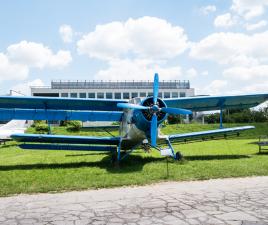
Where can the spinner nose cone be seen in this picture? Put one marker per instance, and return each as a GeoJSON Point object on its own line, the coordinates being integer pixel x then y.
{"type": "Point", "coordinates": [155, 108]}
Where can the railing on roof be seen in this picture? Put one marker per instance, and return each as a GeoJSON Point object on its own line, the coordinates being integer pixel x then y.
{"type": "Point", "coordinates": [165, 84]}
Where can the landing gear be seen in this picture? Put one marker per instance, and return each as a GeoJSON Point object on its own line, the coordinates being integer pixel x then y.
{"type": "Point", "coordinates": [114, 161]}
{"type": "Point", "coordinates": [145, 145]}
{"type": "Point", "coordinates": [179, 156]}
{"type": "Point", "coordinates": [114, 158]}
{"type": "Point", "coordinates": [118, 155]}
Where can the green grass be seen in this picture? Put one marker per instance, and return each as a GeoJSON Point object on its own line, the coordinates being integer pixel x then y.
{"type": "Point", "coordinates": [48, 171]}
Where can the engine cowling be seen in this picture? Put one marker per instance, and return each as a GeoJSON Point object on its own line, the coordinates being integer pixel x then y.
{"type": "Point", "coordinates": [148, 113]}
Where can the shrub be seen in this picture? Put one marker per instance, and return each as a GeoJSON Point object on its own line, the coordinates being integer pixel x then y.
{"type": "Point", "coordinates": [41, 128]}
{"type": "Point", "coordinates": [74, 125]}
{"type": "Point", "coordinates": [63, 123]}
{"type": "Point", "coordinates": [173, 119]}
{"type": "Point", "coordinates": [239, 116]}
{"type": "Point", "coordinates": [37, 122]}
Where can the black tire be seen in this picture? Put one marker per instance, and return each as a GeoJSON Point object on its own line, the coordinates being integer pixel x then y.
{"type": "Point", "coordinates": [113, 159]}
{"type": "Point", "coordinates": [179, 156]}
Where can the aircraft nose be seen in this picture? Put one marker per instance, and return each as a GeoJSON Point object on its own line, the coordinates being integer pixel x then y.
{"type": "Point", "coordinates": [155, 108]}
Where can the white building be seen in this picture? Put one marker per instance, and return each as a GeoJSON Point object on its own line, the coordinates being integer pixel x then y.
{"type": "Point", "coordinates": [113, 89]}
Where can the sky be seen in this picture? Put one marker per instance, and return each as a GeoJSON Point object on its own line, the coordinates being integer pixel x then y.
{"type": "Point", "coordinates": [220, 46]}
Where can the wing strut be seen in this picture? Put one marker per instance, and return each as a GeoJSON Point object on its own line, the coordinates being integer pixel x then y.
{"type": "Point", "coordinates": [119, 151]}
{"type": "Point", "coordinates": [221, 117]}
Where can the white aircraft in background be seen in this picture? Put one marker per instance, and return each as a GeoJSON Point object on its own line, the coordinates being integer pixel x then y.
{"type": "Point", "coordinates": [12, 127]}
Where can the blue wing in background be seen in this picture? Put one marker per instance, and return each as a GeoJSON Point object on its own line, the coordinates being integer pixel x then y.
{"type": "Point", "coordinates": [206, 103]}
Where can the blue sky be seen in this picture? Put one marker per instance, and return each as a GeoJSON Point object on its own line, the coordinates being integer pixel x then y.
{"type": "Point", "coordinates": [220, 46]}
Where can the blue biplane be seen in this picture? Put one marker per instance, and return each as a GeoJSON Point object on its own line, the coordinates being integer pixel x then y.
{"type": "Point", "coordinates": [139, 120]}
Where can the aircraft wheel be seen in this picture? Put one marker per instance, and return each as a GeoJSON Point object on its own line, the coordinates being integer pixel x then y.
{"type": "Point", "coordinates": [179, 156]}
{"type": "Point", "coordinates": [114, 159]}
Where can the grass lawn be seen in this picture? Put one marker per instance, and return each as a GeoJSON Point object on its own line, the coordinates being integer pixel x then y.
{"type": "Point", "coordinates": [47, 171]}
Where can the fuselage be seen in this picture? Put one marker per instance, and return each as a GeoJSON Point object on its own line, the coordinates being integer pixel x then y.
{"type": "Point", "coordinates": [135, 124]}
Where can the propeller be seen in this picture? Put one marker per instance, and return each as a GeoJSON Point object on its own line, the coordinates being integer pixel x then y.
{"type": "Point", "coordinates": [156, 86]}
{"type": "Point", "coordinates": [154, 109]}
{"type": "Point", "coordinates": [131, 106]}
{"type": "Point", "coordinates": [154, 130]}
{"type": "Point", "coordinates": [176, 111]}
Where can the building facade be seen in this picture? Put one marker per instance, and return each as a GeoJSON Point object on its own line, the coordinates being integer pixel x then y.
{"type": "Point", "coordinates": [113, 89]}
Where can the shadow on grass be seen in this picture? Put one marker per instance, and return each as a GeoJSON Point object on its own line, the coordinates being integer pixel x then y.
{"type": "Point", "coordinates": [264, 152]}
{"type": "Point", "coordinates": [8, 144]}
{"type": "Point", "coordinates": [131, 164]}
{"type": "Point", "coordinates": [214, 157]}
{"type": "Point", "coordinates": [86, 154]}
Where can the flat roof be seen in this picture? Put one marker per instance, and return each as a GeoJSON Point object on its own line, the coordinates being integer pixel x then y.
{"type": "Point", "coordinates": [127, 84]}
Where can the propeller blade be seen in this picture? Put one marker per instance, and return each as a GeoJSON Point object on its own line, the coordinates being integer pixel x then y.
{"type": "Point", "coordinates": [176, 111]}
{"type": "Point", "coordinates": [154, 130]}
{"type": "Point", "coordinates": [130, 106]}
{"type": "Point", "coordinates": [156, 86]}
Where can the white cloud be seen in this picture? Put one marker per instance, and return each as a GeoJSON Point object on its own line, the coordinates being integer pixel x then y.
{"type": "Point", "coordinates": [15, 64]}
{"type": "Point", "coordinates": [255, 26]}
{"type": "Point", "coordinates": [204, 73]}
{"type": "Point", "coordinates": [257, 73]}
{"type": "Point", "coordinates": [24, 88]}
{"type": "Point", "coordinates": [225, 20]}
{"type": "Point", "coordinates": [233, 48]}
{"type": "Point", "coordinates": [11, 71]}
{"type": "Point", "coordinates": [216, 87]}
{"type": "Point", "coordinates": [66, 33]}
{"type": "Point", "coordinates": [137, 70]}
{"type": "Point", "coordinates": [208, 9]}
{"type": "Point", "coordinates": [242, 11]}
{"type": "Point", "coordinates": [191, 73]}
{"type": "Point", "coordinates": [249, 9]}
{"type": "Point", "coordinates": [37, 55]}
{"type": "Point", "coordinates": [248, 80]}
{"type": "Point", "coordinates": [146, 37]}
{"type": "Point", "coordinates": [244, 59]}
{"type": "Point", "coordinates": [108, 41]}
{"type": "Point", "coordinates": [156, 38]}
{"type": "Point", "coordinates": [256, 88]}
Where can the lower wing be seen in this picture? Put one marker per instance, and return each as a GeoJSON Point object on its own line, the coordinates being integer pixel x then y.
{"type": "Point", "coordinates": [208, 135]}
{"type": "Point", "coordinates": [64, 142]}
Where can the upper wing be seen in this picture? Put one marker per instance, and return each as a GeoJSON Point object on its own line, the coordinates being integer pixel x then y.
{"type": "Point", "coordinates": [41, 114]}
{"type": "Point", "coordinates": [11, 102]}
{"type": "Point", "coordinates": [207, 135]}
{"type": "Point", "coordinates": [217, 102]}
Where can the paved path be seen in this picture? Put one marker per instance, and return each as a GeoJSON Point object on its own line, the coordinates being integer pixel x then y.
{"type": "Point", "coordinates": [227, 201]}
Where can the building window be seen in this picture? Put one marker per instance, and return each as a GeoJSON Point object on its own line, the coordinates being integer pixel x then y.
{"type": "Point", "coordinates": [117, 95]}
{"type": "Point", "coordinates": [100, 95]}
{"type": "Point", "coordinates": [159, 94]}
{"type": "Point", "coordinates": [166, 94]}
{"type": "Point", "coordinates": [134, 94]}
{"type": "Point", "coordinates": [143, 94]}
{"type": "Point", "coordinates": [125, 95]}
{"type": "Point", "coordinates": [182, 94]}
{"type": "Point", "coordinates": [150, 94]}
{"type": "Point", "coordinates": [174, 94]}
{"type": "Point", "coordinates": [73, 95]}
{"type": "Point", "coordinates": [64, 95]}
{"type": "Point", "coordinates": [82, 95]}
{"type": "Point", "coordinates": [91, 95]}
{"type": "Point", "coordinates": [109, 95]}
